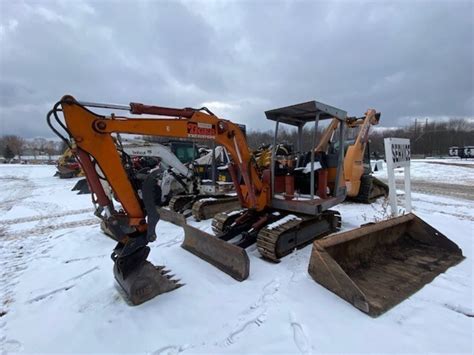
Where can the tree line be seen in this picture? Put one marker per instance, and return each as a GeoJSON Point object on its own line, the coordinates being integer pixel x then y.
{"type": "Point", "coordinates": [12, 146]}
{"type": "Point", "coordinates": [428, 137]}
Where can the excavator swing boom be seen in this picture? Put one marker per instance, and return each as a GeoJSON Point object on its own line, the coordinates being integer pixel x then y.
{"type": "Point", "coordinates": [90, 137]}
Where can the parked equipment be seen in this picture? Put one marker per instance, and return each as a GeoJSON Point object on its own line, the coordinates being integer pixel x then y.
{"type": "Point", "coordinates": [67, 166]}
{"type": "Point", "coordinates": [373, 267]}
{"type": "Point", "coordinates": [277, 233]}
{"type": "Point", "coordinates": [183, 189]}
{"type": "Point", "coordinates": [361, 185]}
{"type": "Point", "coordinates": [465, 152]}
{"type": "Point", "coordinates": [379, 265]}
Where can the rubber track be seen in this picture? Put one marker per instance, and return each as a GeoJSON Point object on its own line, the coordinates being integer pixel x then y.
{"type": "Point", "coordinates": [267, 239]}
{"type": "Point", "coordinates": [204, 208]}
{"type": "Point", "coordinates": [177, 203]}
{"type": "Point", "coordinates": [220, 220]}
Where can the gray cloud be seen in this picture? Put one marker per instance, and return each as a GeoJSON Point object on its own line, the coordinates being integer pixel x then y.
{"type": "Point", "coordinates": [405, 58]}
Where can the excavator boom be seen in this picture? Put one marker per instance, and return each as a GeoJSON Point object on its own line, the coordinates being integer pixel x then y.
{"type": "Point", "coordinates": [91, 140]}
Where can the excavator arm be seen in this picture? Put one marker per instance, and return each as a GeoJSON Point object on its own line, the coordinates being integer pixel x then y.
{"type": "Point", "coordinates": [91, 140]}
{"type": "Point", "coordinates": [92, 134]}
{"type": "Point", "coordinates": [354, 157]}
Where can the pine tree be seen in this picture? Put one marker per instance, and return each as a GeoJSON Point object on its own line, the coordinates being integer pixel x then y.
{"type": "Point", "coordinates": [8, 153]}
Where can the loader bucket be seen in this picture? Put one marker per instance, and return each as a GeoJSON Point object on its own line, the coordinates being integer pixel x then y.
{"type": "Point", "coordinates": [379, 265]}
{"type": "Point", "coordinates": [176, 218]}
{"type": "Point", "coordinates": [227, 257]}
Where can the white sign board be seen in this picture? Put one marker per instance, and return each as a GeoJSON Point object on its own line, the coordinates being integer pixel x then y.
{"type": "Point", "coordinates": [397, 155]}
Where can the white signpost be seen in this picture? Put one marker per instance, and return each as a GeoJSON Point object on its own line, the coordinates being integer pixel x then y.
{"type": "Point", "coordinates": [397, 155]}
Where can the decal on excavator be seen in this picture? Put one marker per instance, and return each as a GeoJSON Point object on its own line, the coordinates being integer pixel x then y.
{"type": "Point", "coordinates": [201, 130]}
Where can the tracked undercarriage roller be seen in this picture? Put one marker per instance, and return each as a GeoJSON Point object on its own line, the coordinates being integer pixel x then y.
{"type": "Point", "coordinates": [201, 207]}
{"type": "Point", "coordinates": [275, 235]}
{"type": "Point", "coordinates": [379, 265]}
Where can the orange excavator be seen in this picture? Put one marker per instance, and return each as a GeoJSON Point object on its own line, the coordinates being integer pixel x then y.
{"type": "Point", "coordinates": [273, 219]}
{"type": "Point", "coordinates": [361, 185]}
{"type": "Point", "coordinates": [276, 212]}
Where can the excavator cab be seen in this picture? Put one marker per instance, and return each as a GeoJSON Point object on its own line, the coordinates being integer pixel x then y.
{"type": "Point", "coordinates": [292, 217]}
{"type": "Point", "coordinates": [309, 178]}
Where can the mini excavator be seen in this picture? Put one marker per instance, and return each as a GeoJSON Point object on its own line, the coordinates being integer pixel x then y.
{"type": "Point", "coordinates": [361, 185]}
{"type": "Point", "coordinates": [272, 218]}
{"type": "Point", "coordinates": [279, 210]}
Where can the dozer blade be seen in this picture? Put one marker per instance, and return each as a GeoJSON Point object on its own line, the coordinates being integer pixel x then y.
{"type": "Point", "coordinates": [227, 257]}
{"type": "Point", "coordinates": [379, 189]}
{"type": "Point", "coordinates": [370, 189]}
{"type": "Point", "coordinates": [145, 282]}
{"type": "Point", "coordinates": [379, 265]}
{"type": "Point", "coordinates": [176, 218]}
{"type": "Point", "coordinates": [81, 187]}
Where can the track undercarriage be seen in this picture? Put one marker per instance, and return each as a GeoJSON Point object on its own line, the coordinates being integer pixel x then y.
{"type": "Point", "coordinates": [276, 235]}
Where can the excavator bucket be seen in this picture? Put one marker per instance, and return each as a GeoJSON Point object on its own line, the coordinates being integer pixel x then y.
{"type": "Point", "coordinates": [379, 265]}
{"type": "Point", "coordinates": [230, 258]}
{"type": "Point", "coordinates": [145, 282]}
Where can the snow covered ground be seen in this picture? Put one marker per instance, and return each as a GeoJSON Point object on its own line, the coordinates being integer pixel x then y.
{"type": "Point", "coordinates": [58, 292]}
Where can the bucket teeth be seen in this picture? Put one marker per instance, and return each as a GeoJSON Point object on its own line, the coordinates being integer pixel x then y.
{"type": "Point", "coordinates": [146, 282]}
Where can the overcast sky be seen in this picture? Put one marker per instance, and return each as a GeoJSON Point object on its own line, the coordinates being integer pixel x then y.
{"type": "Point", "coordinates": [405, 58]}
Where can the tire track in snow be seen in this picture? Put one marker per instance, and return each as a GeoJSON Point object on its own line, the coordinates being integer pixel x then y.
{"type": "Point", "coordinates": [84, 258]}
{"type": "Point", "coordinates": [83, 274]}
{"type": "Point", "coordinates": [64, 288]}
{"type": "Point", "coordinates": [20, 189]}
{"type": "Point", "coordinates": [48, 229]}
{"type": "Point", "coordinates": [43, 217]}
{"type": "Point", "coordinates": [460, 309]}
{"type": "Point", "coordinates": [50, 293]}
{"type": "Point", "coordinates": [171, 350]}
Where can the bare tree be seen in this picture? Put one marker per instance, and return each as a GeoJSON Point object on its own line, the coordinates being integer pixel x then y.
{"type": "Point", "coordinates": [15, 143]}
{"type": "Point", "coordinates": [50, 148]}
